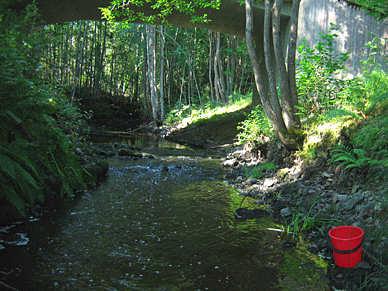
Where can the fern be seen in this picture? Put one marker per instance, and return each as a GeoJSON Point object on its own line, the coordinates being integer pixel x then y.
{"type": "Point", "coordinates": [19, 183]}
{"type": "Point", "coordinates": [355, 159]}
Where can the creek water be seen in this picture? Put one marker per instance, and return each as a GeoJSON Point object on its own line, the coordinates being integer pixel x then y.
{"type": "Point", "coordinates": [162, 223]}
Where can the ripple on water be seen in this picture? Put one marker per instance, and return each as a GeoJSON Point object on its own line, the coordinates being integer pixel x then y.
{"type": "Point", "coordinates": [158, 225]}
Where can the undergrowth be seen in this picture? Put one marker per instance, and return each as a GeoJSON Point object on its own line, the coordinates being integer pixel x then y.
{"type": "Point", "coordinates": [350, 123]}
{"type": "Point", "coordinates": [256, 128]}
{"type": "Point", "coordinates": [38, 125]}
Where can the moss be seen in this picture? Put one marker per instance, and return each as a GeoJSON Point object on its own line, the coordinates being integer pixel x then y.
{"type": "Point", "coordinates": [322, 137]}
{"type": "Point", "coordinates": [302, 270]}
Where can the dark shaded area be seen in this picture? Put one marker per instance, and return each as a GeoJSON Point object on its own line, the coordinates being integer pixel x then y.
{"type": "Point", "coordinates": [111, 112]}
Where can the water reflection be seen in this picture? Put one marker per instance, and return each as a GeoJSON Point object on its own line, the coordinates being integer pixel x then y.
{"type": "Point", "coordinates": [155, 224]}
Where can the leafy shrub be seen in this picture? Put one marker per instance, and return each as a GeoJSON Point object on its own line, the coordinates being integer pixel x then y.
{"type": "Point", "coordinates": [333, 108]}
{"type": "Point", "coordinates": [318, 86]}
{"type": "Point", "coordinates": [256, 128]}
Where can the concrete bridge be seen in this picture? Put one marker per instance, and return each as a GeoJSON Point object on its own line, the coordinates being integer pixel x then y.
{"type": "Point", "coordinates": [230, 18]}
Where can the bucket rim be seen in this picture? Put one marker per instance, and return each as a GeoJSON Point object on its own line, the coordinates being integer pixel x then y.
{"type": "Point", "coordinates": [362, 232]}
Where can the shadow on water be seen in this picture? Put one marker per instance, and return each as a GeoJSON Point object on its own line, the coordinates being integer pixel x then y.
{"type": "Point", "coordinates": [155, 224]}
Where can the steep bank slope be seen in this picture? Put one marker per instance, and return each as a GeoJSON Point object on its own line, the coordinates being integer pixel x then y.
{"type": "Point", "coordinates": [217, 131]}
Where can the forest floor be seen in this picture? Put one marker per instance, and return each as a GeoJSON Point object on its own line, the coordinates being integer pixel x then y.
{"type": "Point", "coordinates": [306, 200]}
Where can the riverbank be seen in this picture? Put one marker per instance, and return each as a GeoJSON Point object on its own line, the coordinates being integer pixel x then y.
{"type": "Point", "coordinates": [309, 201]}
{"type": "Point", "coordinates": [165, 217]}
{"type": "Point", "coordinates": [308, 198]}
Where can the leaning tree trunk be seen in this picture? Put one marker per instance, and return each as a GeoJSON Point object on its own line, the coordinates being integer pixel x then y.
{"type": "Point", "coordinates": [264, 75]}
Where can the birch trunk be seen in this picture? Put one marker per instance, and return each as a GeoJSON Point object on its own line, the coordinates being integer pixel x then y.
{"type": "Point", "coordinates": [151, 60]}
{"type": "Point", "coordinates": [161, 94]}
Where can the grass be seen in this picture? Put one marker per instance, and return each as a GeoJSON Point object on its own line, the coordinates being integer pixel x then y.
{"type": "Point", "coordinates": [185, 115]}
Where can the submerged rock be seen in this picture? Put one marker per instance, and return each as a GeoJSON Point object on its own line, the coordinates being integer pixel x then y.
{"type": "Point", "coordinates": [124, 152]}
{"type": "Point", "coordinates": [244, 213]}
{"type": "Point", "coordinates": [98, 170]}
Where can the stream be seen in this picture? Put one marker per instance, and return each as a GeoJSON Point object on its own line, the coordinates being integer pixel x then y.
{"type": "Point", "coordinates": [164, 222]}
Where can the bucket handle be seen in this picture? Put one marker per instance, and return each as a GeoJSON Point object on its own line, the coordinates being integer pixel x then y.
{"type": "Point", "coordinates": [346, 252]}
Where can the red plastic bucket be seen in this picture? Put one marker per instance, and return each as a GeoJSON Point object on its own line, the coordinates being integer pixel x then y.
{"type": "Point", "coordinates": [346, 242]}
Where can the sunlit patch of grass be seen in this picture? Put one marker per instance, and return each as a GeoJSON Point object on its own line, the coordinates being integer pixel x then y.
{"type": "Point", "coordinates": [325, 134]}
{"type": "Point", "coordinates": [183, 116]}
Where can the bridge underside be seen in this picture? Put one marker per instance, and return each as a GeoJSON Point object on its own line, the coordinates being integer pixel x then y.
{"type": "Point", "coordinates": [229, 19]}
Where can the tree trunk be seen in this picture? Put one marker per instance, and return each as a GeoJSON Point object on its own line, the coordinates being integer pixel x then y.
{"type": "Point", "coordinates": [292, 50]}
{"type": "Point", "coordinates": [268, 49]}
{"type": "Point", "coordinates": [161, 96]}
{"type": "Point", "coordinates": [151, 60]}
{"type": "Point", "coordinates": [289, 115]}
{"type": "Point", "coordinates": [271, 107]}
{"type": "Point", "coordinates": [210, 68]}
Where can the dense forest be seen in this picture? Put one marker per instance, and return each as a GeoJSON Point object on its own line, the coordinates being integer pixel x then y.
{"type": "Point", "coordinates": [86, 102]}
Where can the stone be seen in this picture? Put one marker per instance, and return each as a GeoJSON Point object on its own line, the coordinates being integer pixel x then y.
{"type": "Point", "coordinates": [239, 179]}
{"type": "Point", "coordinates": [285, 212]}
{"type": "Point", "coordinates": [78, 151]}
{"type": "Point", "coordinates": [339, 276]}
{"type": "Point", "coordinates": [245, 193]}
{"type": "Point", "coordinates": [251, 181]}
{"type": "Point", "coordinates": [327, 175]}
{"type": "Point", "coordinates": [124, 152]}
{"type": "Point", "coordinates": [351, 202]}
{"type": "Point", "coordinates": [363, 265]}
{"type": "Point", "coordinates": [269, 182]}
{"type": "Point", "coordinates": [282, 173]}
{"type": "Point", "coordinates": [230, 163]}
{"type": "Point", "coordinates": [340, 197]}
{"type": "Point", "coordinates": [237, 154]}
{"type": "Point", "coordinates": [313, 248]}
{"type": "Point", "coordinates": [243, 213]}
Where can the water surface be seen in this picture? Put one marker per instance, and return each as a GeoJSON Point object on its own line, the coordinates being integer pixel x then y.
{"type": "Point", "coordinates": [155, 224]}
